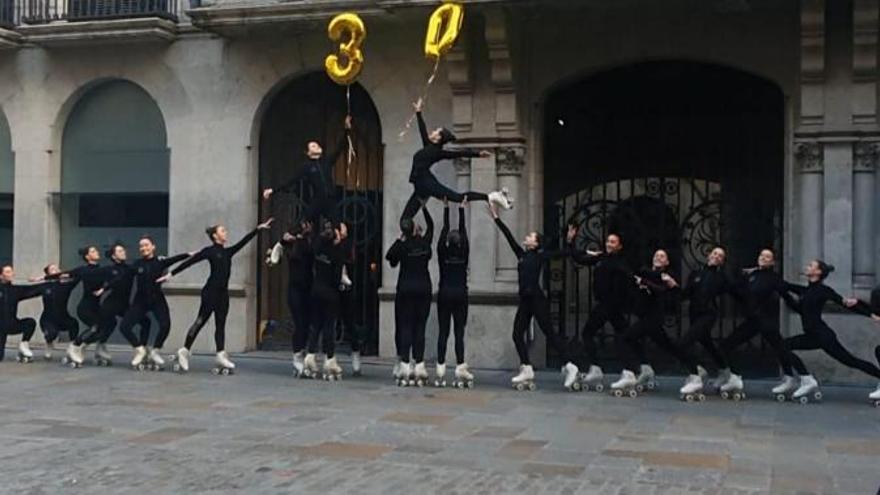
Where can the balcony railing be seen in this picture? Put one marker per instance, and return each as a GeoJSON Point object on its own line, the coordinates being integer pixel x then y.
{"type": "Point", "coordinates": [44, 11]}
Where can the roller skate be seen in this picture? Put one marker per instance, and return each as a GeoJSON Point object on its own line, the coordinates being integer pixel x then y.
{"type": "Point", "coordinates": [310, 366]}
{"type": "Point", "coordinates": [298, 365]}
{"type": "Point", "coordinates": [782, 391]}
{"type": "Point", "coordinates": [463, 377]}
{"type": "Point", "coordinates": [525, 380]}
{"type": "Point", "coordinates": [50, 350]}
{"type": "Point", "coordinates": [332, 370]}
{"type": "Point", "coordinates": [874, 397]}
{"type": "Point", "coordinates": [808, 391]}
{"type": "Point", "coordinates": [440, 375]}
{"type": "Point", "coordinates": [647, 379]}
{"type": "Point", "coordinates": [25, 355]}
{"type": "Point", "coordinates": [155, 361]}
{"type": "Point", "coordinates": [395, 371]}
{"type": "Point", "coordinates": [733, 389]}
{"type": "Point", "coordinates": [501, 198]}
{"type": "Point", "coordinates": [692, 389]}
{"type": "Point", "coordinates": [181, 361]}
{"type": "Point", "coordinates": [222, 364]}
{"type": "Point", "coordinates": [419, 375]}
{"type": "Point", "coordinates": [138, 362]}
{"type": "Point", "coordinates": [74, 357]}
{"type": "Point", "coordinates": [403, 374]}
{"type": "Point", "coordinates": [356, 363]}
{"type": "Point", "coordinates": [594, 379]}
{"type": "Point", "coordinates": [102, 356]}
{"type": "Point", "coordinates": [716, 383]}
{"type": "Point", "coordinates": [626, 385]}
{"type": "Point", "coordinates": [571, 381]}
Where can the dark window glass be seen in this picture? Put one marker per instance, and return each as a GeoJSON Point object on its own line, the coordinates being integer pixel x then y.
{"type": "Point", "coordinates": [5, 219]}
{"type": "Point", "coordinates": [123, 210]}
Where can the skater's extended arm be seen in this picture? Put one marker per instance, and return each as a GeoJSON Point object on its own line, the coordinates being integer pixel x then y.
{"type": "Point", "coordinates": [511, 241]}
{"type": "Point", "coordinates": [340, 146]}
{"type": "Point", "coordinates": [32, 291]}
{"type": "Point", "coordinates": [235, 248]}
{"type": "Point", "coordinates": [423, 129]}
{"type": "Point", "coordinates": [293, 181]}
{"type": "Point", "coordinates": [444, 232]}
{"type": "Point", "coordinates": [453, 154]}
{"type": "Point", "coordinates": [192, 260]}
{"type": "Point", "coordinates": [429, 224]}
{"type": "Point", "coordinates": [166, 262]}
{"type": "Point", "coordinates": [462, 230]}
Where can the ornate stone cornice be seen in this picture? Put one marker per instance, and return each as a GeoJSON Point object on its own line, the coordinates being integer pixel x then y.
{"type": "Point", "coordinates": [865, 156]}
{"type": "Point", "coordinates": [812, 70]}
{"type": "Point", "coordinates": [462, 166]}
{"type": "Point", "coordinates": [808, 157]}
{"type": "Point", "coordinates": [510, 160]}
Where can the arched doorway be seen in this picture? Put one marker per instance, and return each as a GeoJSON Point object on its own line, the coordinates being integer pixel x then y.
{"type": "Point", "coordinates": [114, 171]}
{"type": "Point", "coordinates": [311, 107]}
{"type": "Point", "coordinates": [678, 155]}
{"type": "Point", "coordinates": [7, 190]}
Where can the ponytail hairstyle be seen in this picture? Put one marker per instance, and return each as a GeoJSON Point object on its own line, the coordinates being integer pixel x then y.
{"type": "Point", "coordinates": [446, 136]}
{"type": "Point", "coordinates": [210, 232]}
{"type": "Point", "coordinates": [112, 250]}
{"type": "Point", "coordinates": [825, 268]}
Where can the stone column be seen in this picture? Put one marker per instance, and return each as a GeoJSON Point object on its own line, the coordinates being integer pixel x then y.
{"type": "Point", "coordinates": [838, 212]}
{"type": "Point", "coordinates": [809, 160]}
{"type": "Point", "coordinates": [865, 155]}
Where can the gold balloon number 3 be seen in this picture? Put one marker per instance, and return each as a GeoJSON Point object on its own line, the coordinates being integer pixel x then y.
{"type": "Point", "coordinates": [443, 28]}
{"type": "Point", "coordinates": [345, 66]}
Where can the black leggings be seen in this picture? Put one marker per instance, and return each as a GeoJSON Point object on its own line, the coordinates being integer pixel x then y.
{"type": "Point", "coordinates": [325, 307]}
{"type": "Point", "coordinates": [825, 339]}
{"type": "Point", "coordinates": [600, 315]}
{"type": "Point", "coordinates": [537, 307]}
{"type": "Point", "coordinates": [411, 313]}
{"type": "Point", "coordinates": [768, 328]}
{"type": "Point", "coordinates": [451, 308]}
{"type": "Point", "coordinates": [215, 300]}
{"type": "Point", "coordinates": [652, 327]}
{"type": "Point", "coordinates": [52, 325]}
{"type": "Point", "coordinates": [429, 187]}
{"type": "Point", "coordinates": [23, 326]}
{"type": "Point", "coordinates": [298, 302]}
{"type": "Point", "coordinates": [137, 312]}
{"type": "Point", "coordinates": [89, 311]}
{"type": "Point", "coordinates": [321, 206]}
{"type": "Point", "coordinates": [701, 331]}
{"type": "Point", "coordinates": [355, 332]}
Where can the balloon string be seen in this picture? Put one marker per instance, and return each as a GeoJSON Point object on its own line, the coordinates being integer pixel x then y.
{"type": "Point", "coordinates": [351, 154]}
{"type": "Point", "coordinates": [423, 97]}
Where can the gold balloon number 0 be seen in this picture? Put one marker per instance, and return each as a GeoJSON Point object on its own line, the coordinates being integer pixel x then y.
{"type": "Point", "coordinates": [443, 28]}
{"type": "Point", "coordinates": [349, 27]}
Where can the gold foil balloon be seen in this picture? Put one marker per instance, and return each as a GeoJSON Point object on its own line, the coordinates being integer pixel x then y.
{"type": "Point", "coordinates": [443, 28]}
{"type": "Point", "coordinates": [345, 66]}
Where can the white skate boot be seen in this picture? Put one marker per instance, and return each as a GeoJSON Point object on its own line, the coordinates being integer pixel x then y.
{"type": "Point", "coordinates": [182, 364]}
{"type": "Point", "coordinates": [647, 379]}
{"type": "Point", "coordinates": [463, 377]}
{"type": "Point", "coordinates": [103, 356]}
{"type": "Point", "coordinates": [25, 355]}
{"type": "Point", "coordinates": [501, 198]}
{"type": "Point", "coordinates": [395, 371]}
{"type": "Point", "coordinates": [594, 379]}
{"type": "Point", "coordinates": [440, 375]}
{"type": "Point", "coordinates": [50, 350]}
{"type": "Point", "coordinates": [525, 380]}
{"type": "Point", "coordinates": [332, 370]}
{"type": "Point", "coordinates": [809, 390]}
{"type": "Point", "coordinates": [403, 374]}
{"type": "Point", "coordinates": [692, 389]}
{"type": "Point", "coordinates": [74, 357]}
{"type": "Point", "coordinates": [345, 280]}
{"type": "Point", "coordinates": [355, 363]}
{"type": "Point", "coordinates": [571, 373]}
{"type": "Point", "coordinates": [223, 365]}
{"type": "Point", "coordinates": [784, 389]}
{"type": "Point", "coordinates": [140, 354]}
{"type": "Point", "coordinates": [298, 365]}
{"type": "Point", "coordinates": [875, 396]}
{"type": "Point", "coordinates": [733, 388]}
{"type": "Point", "coordinates": [420, 374]}
{"type": "Point", "coordinates": [155, 362]}
{"type": "Point", "coordinates": [626, 385]}
{"type": "Point", "coordinates": [721, 379]}
{"type": "Point", "coordinates": [310, 366]}
{"type": "Point", "coordinates": [704, 375]}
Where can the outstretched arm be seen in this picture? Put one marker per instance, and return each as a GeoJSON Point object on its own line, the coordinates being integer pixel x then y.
{"type": "Point", "coordinates": [444, 232]}
{"type": "Point", "coordinates": [341, 144]}
{"type": "Point", "coordinates": [462, 230]}
{"type": "Point", "coordinates": [174, 259]}
{"type": "Point", "coordinates": [192, 260]}
{"type": "Point", "coordinates": [423, 129]}
{"type": "Point", "coordinates": [429, 224]}
{"type": "Point", "coordinates": [235, 248]}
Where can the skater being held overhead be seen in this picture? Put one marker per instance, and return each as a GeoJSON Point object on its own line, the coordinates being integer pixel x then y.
{"type": "Point", "coordinates": [10, 324]}
{"type": "Point", "coordinates": [426, 185]}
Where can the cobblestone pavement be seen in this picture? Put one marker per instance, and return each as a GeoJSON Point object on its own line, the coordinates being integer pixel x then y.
{"type": "Point", "coordinates": [99, 430]}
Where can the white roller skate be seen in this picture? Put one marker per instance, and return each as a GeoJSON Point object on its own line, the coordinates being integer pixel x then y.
{"type": "Point", "coordinates": [138, 361]}
{"type": "Point", "coordinates": [403, 374]}
{"type": "Point", "coordinates": [525, 380]}
{"type": "Point", "coordinates": [420, 375]}
{"type": "Point", "coordinates": [571, 379]}
{"type": "Point", "coordinates": [355, 363]}
{"type": "Point", "coordinates": [395, 371]}
{"type": "Point", "coordinates": [782, 391]}
{"type": "Point", "coordinates": [222, 364]}
{"type": "Point", "coordinates": [344, 279]}
{"type": "Point", "coordinates": [25, 355]}
{"type": "Point", "coordinates": [298, 364]}
{"type": "Point", "coordinates": [332, 370]}
{"type": "Point", "coordinates": [704, 375]}
{"type": "Point", "coordinates": [440, 375]}
{"type": "Point", "coordinates": [74, 357]}
{"type": "Point", "coordinates": [874, 396]}
{"type": "Point", "coordinates": [501, 198]}
{"type": "Point", "coordinates": [181, 361]}
{"type": "Point", "coordinates": [594, 379]}
{"type": "Point", "coordinates": [103, 356]}
{"type": "Point", "coordinates": [463, 377]}
{"type": "Point", "coordinates": [310, 366]}
{"type": "Point", "coordinates": [647, 379]}
{"type": "Point", "coordinates": [626, 385]}
{"type": "Point", "coordinates": [49, 351]}
{"type": "Point", "coordinates": [808, 391]}
{"type": "Point", "coordinates": [155, 361]}
{"type": "Point", "coordinates": [716, 383]}
{"type": "Point", "coordinates": [692, 389]}
{"type": "Point", "coordinates": [733, 388]}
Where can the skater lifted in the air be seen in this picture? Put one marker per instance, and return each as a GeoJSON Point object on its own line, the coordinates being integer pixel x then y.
{"type": "Point", "coordinates": [10, 324]}
{"type": "Point", "coordinates": [817, 334]}
{"type": "Point", "coordinates": [427, 186]}
{"type": "Point", "coordinates": [215, 293]}
{"type": "Point", "coordinates": [533, 303]}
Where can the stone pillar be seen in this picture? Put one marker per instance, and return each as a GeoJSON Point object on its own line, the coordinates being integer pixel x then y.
{"type": "Point", "coordinates": [865, 155]}
{"type": "Point", "coordinates": [838, 213]}
{"type": "Point", "coordinates": [809, 160]}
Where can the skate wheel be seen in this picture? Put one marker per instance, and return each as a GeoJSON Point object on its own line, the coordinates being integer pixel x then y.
{"type": "Point", "coordinates": [737, 397]}
{"type": "Point", "coordinates": [175, 368]}
{"type": "Point", "coordinates": [640, 388]}
{"type": "Point", "coordinates": [215, 371]}
{"type": "Point", "coordinates": [72, 364]}
{"type": "Point", "coordinates": [877, 404]}
{"type": "Point", "coordinates": [532, 387]}
{"type": "Point", "coordinates": [725, 395]}
{"type": "Point", "coordinates": [817, 396]}
{"type": "Point", "coordinates": [618, 393]}
{"type": "Point", "coordinates": [804, 400]}
{"type": "Point", "coordinates": [689, 398]}
{"type": "Point", "coordinates": [633, 393]}
{"type": "Point", "coordinates": [460, 385]}
{"type": "Point", "coordinates": [519, 387]}
{"type": "Point", "coordinates": [652, 385]}
{"type": "Point", "coordinates": [141, 367]}
{"type": "Point", "coordinates": [576, 387]}
{"type": "Point", "coordinates": [780, 398]}
{"type": "Point", "coordinates": [701, 398]}
{"type": "Point", "coordinates": [65, 360]}
{"type": "Point", "coordinates": [600, 387]}
{"type": "Point", "coordinates": [224, 372]}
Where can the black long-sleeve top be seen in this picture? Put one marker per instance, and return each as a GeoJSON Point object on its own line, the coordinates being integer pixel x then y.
{"type": "Point", "coordinates": [10, 296]}
{"type": "Point", "coordinates": [318, 173]}
{"type": "Point", "coordinates": [300, 260]}
{"type": "Point", "coordinates": [654, 296]}
{"type": "Point", "coordinates": [530, 262]}
{"type": "Point", "coordinates": [453, 265]}
{"type": "Point", "coordinates": [56, 296]}
{"type": "Point", "coordinates": [760, 291]}
{"type": "Point", "coordinates": [703, 288]}
{"type": "Point", "coordinates": [413, 255]}
{"type": "Point", "coordinates": [811, 302]}
{"type": "Point", "coordinates": [432, 153]}
{"type": "Point", "coordinates": [92, 276]}
{"type": "Point", "coordinates": [220, 259]}
{"type": "Point", "coordinates": [148, 270]}
{"type": "Point", "coordinates": [328, 260]}
{"type": "Point", "coordinates": [612, 278]}
{"type": "Point", "coordinates": [120, 281]}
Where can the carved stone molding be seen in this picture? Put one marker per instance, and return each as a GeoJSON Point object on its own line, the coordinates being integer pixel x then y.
{"type": "Point", "coordinates": [462, 166]}
{"type": "Point", "coordinates": [865, 156]}
{"type": "Point", "coordinates": [866, 20]}
{"type": "Point", "coordinates": [812, 70]}
{"type": "Point", "coordinates": [808, 157]}
{"type": "Point", "coordinates": [501, 71]}
{"type": "Point", "coordinates": [510, 160]}
{"type": "Point", "coordinates": [461, 84]}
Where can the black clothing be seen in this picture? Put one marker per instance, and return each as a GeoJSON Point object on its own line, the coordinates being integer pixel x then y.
{"type": "Point", "coordinates": [56, 318]}
{"type": "Point", "coordinates": [703, 289]}
{"type": "Point", "coordinates": [10, 324]}
{"type": "Point", "coordinates": [612, 286]}
{"type": "Point", "coordinates": [119, 280]}
{"type": "Point", "coordinates": [328, 261]}
{"type": "Point", "coordinates": [452, 297]}
{"type": "Point", "coordinates": [149, 299]}
{"type": "Point", "coordinates": [300, 276]}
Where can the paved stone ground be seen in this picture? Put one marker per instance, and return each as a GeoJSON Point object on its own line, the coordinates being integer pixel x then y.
{"type": "Point", "coordinates": [98, 430]}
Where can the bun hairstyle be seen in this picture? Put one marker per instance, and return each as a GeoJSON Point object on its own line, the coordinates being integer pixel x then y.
{"type": "Point", "coordinates": [446, 136]}
{"type": "Point", "coordinates": [112, 250]}
{"type": "Point", "coordinates": [825, 268]}
{"type": "Point", "coordinates": [147, 237]}
{"type": "Point", "coordinates": [210, 231]}
{"type": "Point", "coordinates": [407, 226]}
{"type": "Point", "coordinates": [45, 268]}
{"type": "Point", "coordinates": [84, 251]}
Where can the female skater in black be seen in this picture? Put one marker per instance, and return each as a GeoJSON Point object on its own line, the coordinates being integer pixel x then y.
{"type": "Point", "coordinates": [452, 298]}
{"type": "Point", "coordinates": [328, 253]}
{"type": "Point", "coordinates": [10, 324]}
{"type": "Point", "coordinates": [215, 293]}
{"type": "Point", "coordinates": [817, 334]}
{"type": "Point", "coordinates": [300, 259]}
{"type": "Point", "coordinates": [533, 302]}
{"type": "Point", "coordinates": [55, 317]}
